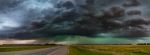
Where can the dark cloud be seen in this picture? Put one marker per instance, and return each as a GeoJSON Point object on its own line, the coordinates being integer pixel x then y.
{"type": "Point", "coordinates": [74, 17]}
{"type": "Point", "coordinates": [8, 3]}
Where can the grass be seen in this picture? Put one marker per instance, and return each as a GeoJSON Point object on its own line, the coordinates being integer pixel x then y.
{"type": "Point", "coordinates": [109, 50]}
{"type": "Point", "coordinates": [9, 48]}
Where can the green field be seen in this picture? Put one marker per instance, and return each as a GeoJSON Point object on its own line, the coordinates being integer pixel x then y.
{"type": "Point", "coordinates": [109, 50]}
{"type": "Point", "coordinates": [8, 48]}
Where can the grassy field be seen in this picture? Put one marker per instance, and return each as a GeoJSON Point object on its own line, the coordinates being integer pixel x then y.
{"type": "Point", "coordinates": [109, 50]}
{"type": "Point", "coordinates": [8, 48]}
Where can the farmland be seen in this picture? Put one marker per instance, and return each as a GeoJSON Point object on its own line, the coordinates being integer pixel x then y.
{"type": "Point", "coordinates": [109, 50]}
{"type": "Point", "coordinates": [9, 48]}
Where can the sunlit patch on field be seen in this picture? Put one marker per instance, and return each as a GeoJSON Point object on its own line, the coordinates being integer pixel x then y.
{"type": "Point", "coordinates": [109, 50]}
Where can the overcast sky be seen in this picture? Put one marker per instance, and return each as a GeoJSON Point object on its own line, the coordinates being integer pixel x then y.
{"type": "Point", "coordinates": [104, 21]}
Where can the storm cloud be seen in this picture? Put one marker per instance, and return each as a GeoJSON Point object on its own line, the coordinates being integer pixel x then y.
{"type": "Point", "coordinates": [30, 18]}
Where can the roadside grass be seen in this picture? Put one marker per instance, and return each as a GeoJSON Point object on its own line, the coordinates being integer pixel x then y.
{"type": "Point", "coordinates": [83, 51]}
{"type": "Point", "coordinates": [109, 50]}
{"type": "Point", "coordinates": [9, 48]}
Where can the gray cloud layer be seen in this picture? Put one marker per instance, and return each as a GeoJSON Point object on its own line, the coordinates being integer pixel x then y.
{"type": "Point", "coordinates": [74, 17]}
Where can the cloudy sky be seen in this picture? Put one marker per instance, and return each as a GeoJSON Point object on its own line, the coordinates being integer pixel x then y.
{"type": "Point", "coordinates": [75, 21]}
